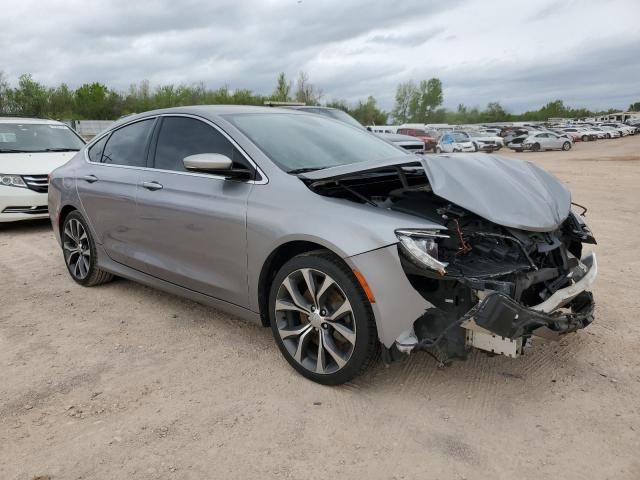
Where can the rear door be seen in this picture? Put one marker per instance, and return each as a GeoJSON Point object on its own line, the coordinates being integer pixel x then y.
{"type": "Point", "coordinates": [193, 225]}
{"type": "Point", "coordinates": [107, 187]}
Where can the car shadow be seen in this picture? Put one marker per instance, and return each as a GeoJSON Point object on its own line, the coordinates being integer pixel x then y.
{"type": "Point", "coordinates": [26, 226]}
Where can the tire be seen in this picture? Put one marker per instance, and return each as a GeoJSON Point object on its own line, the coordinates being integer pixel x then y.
{"type": "Point", "coordinates": [608, 135]}
{"type": "Point", "coordinates": [80, 253]}
{"type": "Point", "coordinates": [535, 147]}
{"type": "Point", "coordinates": [585, 138]}
{"type": "Point", "coordinates": [437, 150]}
{"type": "Point", "coordinates": [300, 324]}
{"type": "Point", "coordinates": [566, 146]}
{"type": "Point", "coordinates": [475, 147]}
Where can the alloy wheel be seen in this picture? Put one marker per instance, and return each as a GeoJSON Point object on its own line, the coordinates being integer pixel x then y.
{"type": "Point", "coordinates": [315, 321]}
{"type": "Point", "coordinates": [77, 250]}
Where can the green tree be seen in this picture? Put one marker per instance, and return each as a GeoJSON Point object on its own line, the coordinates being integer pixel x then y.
{"type": "Point", "coordinates": [92, 101]}
{"type": "Point", "coordinates": [634, 107]}
{"type": "Point", "coordinates": [61, 102]}
{"type": "Point", "coordinates": [30, 98]}
{"type": "Point", "coordinates": [306, 92]}
{"type": "Point", "coordinates": [405, 93]}
{"type": "Point", "coordinates": [282, 91]}
{"type": "Point", "coordinates": [429, 99]}
{"type": "Point", "coordinates": [368, 113]}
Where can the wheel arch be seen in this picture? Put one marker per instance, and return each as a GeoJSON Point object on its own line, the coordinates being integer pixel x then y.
{"type": "Point", "coordinates": [64, 212]}
{"type": "Point", "coordinates": [274, 261]}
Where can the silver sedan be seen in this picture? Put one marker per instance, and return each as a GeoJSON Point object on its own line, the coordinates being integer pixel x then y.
{"type": "Point", "coordinates": [346, 246]}
{"type": "Point", "coordinates": [546, 141]}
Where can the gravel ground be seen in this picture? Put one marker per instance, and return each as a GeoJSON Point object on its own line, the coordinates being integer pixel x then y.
{"type": "Point", "coordinates": [123, 382]}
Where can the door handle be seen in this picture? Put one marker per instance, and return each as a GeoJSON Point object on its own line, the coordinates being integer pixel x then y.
{"type": "Point", "coordinates": [90, 178]}
{"type": "Point", "coordinates": [152, 186]}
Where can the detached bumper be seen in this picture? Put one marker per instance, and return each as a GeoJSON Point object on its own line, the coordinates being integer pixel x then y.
{"type": "Point", "coordinates": [498, 322]}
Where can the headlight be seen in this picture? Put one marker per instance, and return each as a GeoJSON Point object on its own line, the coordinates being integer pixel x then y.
{"type": "Point", "coordinates": [12, 181]}
{"type": "Point", "coordinates": [422, 246]}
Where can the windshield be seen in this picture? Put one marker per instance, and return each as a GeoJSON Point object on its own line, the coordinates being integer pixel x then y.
{"type": "Point", "coordinates": [298, 142]}
{"type": "Point", "coordinates": [460, 137]}
{"type": "Point", "coordinates": [335, 114]}
{"type": "Point", "coordinates": [37, 137]}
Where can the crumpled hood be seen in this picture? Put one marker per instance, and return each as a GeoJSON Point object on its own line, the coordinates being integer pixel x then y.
{"type": "Point", "coordinates": [508, 192]}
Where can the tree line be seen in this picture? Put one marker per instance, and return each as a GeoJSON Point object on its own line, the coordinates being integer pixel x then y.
{"type": "Point", "coordinates": [419, 102]}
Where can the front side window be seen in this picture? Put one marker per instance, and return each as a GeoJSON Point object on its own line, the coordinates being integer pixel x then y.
{"type": "Point", "coordinates": [128, 145]}
{"type": "Point", "coordinates": [38, 137]}
{"type": "Point", "coordinates": [297, 142]}
{"type": "Point", "coordinates": [181, 137]}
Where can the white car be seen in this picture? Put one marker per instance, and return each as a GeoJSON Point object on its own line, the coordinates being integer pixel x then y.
{"type": "Point", "coordinates": [609, 132]}
{"type": "Point", "coordinates": [546, 141]}
{"type": "Point", "coordinates": [30, 149]}
{"type": "Point", "coordinates": [486, 141]}
{"type": "Point", "coordinates": [623, 129]}
{"type": "Point", "coordinates": [455, 142]}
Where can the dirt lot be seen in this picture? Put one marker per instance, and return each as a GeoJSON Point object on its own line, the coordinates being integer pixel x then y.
{"type": "Point", "coordinates": [122, 381]}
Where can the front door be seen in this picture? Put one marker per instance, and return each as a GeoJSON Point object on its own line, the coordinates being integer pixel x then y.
{"type": "Point", "coordinates": [194, 224]}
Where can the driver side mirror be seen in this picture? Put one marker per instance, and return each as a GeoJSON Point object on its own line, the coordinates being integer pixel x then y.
{"type": "Point", "coordinates": [208, 162]}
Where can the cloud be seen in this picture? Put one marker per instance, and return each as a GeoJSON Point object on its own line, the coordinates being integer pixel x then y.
{"type": "Point", "coordinates": [483, 51]}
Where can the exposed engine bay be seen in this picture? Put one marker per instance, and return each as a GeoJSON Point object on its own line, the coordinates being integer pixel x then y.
{"type": "Point", "coordinates": [491, 286]}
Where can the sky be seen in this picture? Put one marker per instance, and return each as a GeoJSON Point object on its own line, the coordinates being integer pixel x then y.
{"type": "Point", "coordinates": [519, 53]}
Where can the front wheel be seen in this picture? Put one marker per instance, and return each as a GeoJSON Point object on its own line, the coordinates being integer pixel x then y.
{"type": "Point", "coordinates": [321, 319]}
{"type": "Point", "coordinates": [79, 252]}
{"type": "Point", "coordinates": [438, 150]}
{"type": "Point", "coordinates": [535, 147]}
{"type": "Point", "coordinates": [566, 146]}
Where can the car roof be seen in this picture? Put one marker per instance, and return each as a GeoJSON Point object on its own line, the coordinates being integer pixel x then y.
{"type": "Point", "coordinates": [208, 111]}
{"type": "Point", "coordinates": [34, 121]}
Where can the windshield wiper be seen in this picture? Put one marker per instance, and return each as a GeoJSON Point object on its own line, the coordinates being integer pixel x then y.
{"type": "Point", "coordinates": [296, 171]}
{"type": "Point", "coordinates": [12, 150]}
{"type": "Point", "coordinates": [61, 149]}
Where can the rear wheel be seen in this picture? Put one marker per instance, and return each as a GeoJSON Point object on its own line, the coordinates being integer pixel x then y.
{"type": "Point", "coordinates": [566, 146]}
{"type": "Point", "coordinates": [585, 138]}
{"type": "Point", "coordinates": [321, 319]}
{"type": "Point", "coordinates": [79, 251]}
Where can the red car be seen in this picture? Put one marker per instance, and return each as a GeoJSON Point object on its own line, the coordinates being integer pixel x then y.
{"type": "Point", "coordinates": [430, 139]}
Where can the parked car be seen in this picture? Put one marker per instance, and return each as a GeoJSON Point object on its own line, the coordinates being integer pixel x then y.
{"type": "Point", "coordinates": [546, 141]}
{"type": "Point", "coordinates": [340, 242]}
{"type": "Point", "coordinates": [430, 138]}
{"type": "Point", "coordinates": [611, 132]}
{"type": "Point", "coordinates": [516, 143]}
{"type": "Point", "coordinates": [403, 141]}
{"type": "Point", "coordinates": [30, 148]}
{"type": "Point", "coordinates": [584, 134]}
{"type": "Point", "coordinates": [623, 129]}
{"type": "Point", "coordinates": [486, 142]}
{"type": "Point", "coordinates": [453, 142]}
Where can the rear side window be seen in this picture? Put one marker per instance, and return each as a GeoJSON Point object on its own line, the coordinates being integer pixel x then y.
{"type": "Point", "coordinates": [181, 137]}
{"type": "Point", "coordinates": [127, 145]}
{"type": "Point", "coordinates": [95, 151]}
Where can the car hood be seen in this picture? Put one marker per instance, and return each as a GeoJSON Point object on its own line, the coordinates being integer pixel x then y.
{"type": "Point", "coordinates": [508, 192]}
{"type": "Point", "coordinates": [40, 163]}
{"type": "Point", "coordinates": [397, 137]}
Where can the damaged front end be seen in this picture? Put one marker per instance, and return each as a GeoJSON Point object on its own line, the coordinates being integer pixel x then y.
{"type": "Point", "coordinates": [492, 287]}
{"type": "Point", "coordinates": [506, 264]}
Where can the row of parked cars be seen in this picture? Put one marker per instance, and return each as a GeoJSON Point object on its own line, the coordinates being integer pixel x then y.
{"type": "Point", "coordinates": [563, 136]}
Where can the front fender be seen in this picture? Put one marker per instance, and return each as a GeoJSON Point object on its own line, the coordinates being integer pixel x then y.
{"type": "Point", "coordinates": [397, 304]}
